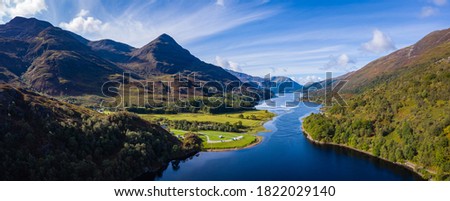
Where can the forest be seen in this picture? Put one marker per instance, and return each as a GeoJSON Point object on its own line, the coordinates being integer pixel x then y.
{"type": "Point", "coordinates": [45, 139]}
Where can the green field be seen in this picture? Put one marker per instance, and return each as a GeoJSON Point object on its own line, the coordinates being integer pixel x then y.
{"type": "Point", "coordinates": [227, 137]}
{"type": "Point", "coordinates": [254, 120]}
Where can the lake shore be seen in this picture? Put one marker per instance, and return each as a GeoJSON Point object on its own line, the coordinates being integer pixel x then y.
{"type": "Point", "coordinates": [258, 140]}
{"type": "Point", "coordinates": [408, 165]}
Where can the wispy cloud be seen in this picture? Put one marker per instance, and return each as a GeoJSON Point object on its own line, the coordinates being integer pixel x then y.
{"type": "Point", "coordinates": [220, 2]}
{"type": "Point", "coordinates": [24, 8]}
{"type": "Point", "coordinates": [428, 11]}
{"type": "Point", "coordinates": [379, 43]}
{"type": "Point", "coordinates": [439, 2]}
{"type": "Point", "coordinates": [183, 21]}
{"type": "Point", "coordinates": [432, 9]}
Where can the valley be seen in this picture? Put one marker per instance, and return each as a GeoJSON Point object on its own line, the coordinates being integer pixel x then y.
{"type": "Point", "coordinates": [75, 109]}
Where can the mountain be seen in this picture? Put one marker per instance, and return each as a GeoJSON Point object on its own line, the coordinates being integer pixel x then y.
{"type": "Point", "coordinates": [42, 138]}
{"type": "Point", "coordinates": [397, 108]}
{"type": "Point", "coordinates": [39, 56]}
{"type": "Point", "coordinates": [285, 84]}
{"type": "Point", "coordinates": [246, 77]}
{"type": "Point", "coordinates": [22, 28]}
{"type": "Point", "coordinates": [50, 60]}
{"type": "Point", "coordinates": [282, 83]}
{"type": "Point", "coordinates": [111, 50]}
{"type": "Point", "coordinates": [389, 65]}
{"type": "Point", "coordinates": [165, 56]}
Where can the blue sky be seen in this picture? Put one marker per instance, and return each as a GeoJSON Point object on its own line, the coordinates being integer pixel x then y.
{"type": "Point", "coordinates": [300, 39]}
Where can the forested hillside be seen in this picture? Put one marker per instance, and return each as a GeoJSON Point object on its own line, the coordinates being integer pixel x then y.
{"type": "Point", "coordinates": [45, 139]}
{"type": "Point", "coordinates": [401, 115]}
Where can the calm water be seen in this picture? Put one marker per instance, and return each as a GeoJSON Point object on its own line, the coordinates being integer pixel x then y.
{"type": "Point", "coordinates": [286, 154]}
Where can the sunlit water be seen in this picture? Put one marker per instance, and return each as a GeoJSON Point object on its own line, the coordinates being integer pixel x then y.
{"type": "Point", "coordinates": [285, 154]}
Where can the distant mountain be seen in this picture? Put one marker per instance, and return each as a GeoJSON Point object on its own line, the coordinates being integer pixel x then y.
{"type": "Point", "coordinates": [46, 139]}
{"type": "Point", "coordinates": [48, 59]}
{"type": "Point", "coordinates": [280, 83]}
{"type": "Point", "coordinates": [245, 77]}
{"type": "Point", "coordinates": [397, 108]}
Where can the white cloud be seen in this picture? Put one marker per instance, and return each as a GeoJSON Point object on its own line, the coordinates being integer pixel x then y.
{"type": "Point", "coordinates": [307, 79]}
{"type": "Point", "coordinates": [84, 24]}
{"type": "Point", "coordinates": [428, 11]}
{"type": "Point", "coordinates": [220, 2]}
{"type": "Point", "coordinates": [137, 26]}
{"type": "Point", "coordinates": [24, 8]}
{"type": "Point", "coordinates": [439, 2]}
{"type": "Point", "coordinates": [342, 61]}
{"type": "Point", "coordinates": [380, 43]}
{"type": "Point", "coordinates": [224, 63]}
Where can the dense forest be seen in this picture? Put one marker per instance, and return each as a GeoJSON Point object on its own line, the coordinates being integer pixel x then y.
{"type": "Point", "coordinates": [45, 139]}
{"type": "Point", "coordinates": [212, 105]}
{"type": "Point", "coordinates": [400, 116]}
{"type": "Point", "coordinates": [202, 125]}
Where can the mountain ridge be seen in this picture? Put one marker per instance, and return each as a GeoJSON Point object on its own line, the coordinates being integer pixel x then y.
{"type": "Point", "coordinates": [51, 60]}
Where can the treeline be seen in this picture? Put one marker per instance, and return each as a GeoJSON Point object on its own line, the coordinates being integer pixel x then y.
{"type": "Point", "coordinates": [405, 118]}
{"type": "Point", "coordinates": [212, 105]}
{"type": "Point", "coordinates": [197, 125]}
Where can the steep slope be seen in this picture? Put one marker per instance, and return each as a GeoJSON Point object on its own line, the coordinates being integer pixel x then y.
{"type": "Point", "coordinates": [50, 60]}
{"type": "Point", "coordinates": [387, 66]}
{"type": "Point", "coordinates": [45, 139]}
{"type": "Point", "coordinates": [402, 114]}
{"type": "Point", "coordinates": [165, 56]}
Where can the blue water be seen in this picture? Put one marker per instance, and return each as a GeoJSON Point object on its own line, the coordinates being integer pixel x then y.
{"type": "Point", "coordinates": [285, 154]}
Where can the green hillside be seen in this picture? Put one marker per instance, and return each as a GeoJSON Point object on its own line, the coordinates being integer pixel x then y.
{"type": "Point", "coordinates": [45, 139]}
{"type": "Point", "coordinates": [402, 115]}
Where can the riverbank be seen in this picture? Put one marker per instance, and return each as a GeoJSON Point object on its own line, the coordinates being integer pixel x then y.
{"type": "Point", "coordinates": [408, 165]}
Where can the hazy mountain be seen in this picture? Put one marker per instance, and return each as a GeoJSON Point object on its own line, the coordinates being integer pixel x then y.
{"type": "Point", "coordinates": [245, 77]}
{"type": "Point", "coordinates": [283, 83]}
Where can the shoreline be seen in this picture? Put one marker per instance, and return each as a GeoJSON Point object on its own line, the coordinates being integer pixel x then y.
{"type": "Point", "coordinates": [258, 140]}
{"type": "Point", "coordinates": [408, 165]}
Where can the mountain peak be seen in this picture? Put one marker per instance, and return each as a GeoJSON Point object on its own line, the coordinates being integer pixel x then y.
{"type": "Point", "coordinates": [162, 45]}
{"type": "Point", "coordinates": [22, 21]}
{"type": "Point", "coordinates": [23, 28]}
{"type": "Point", "coordinates": [165, 38]}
